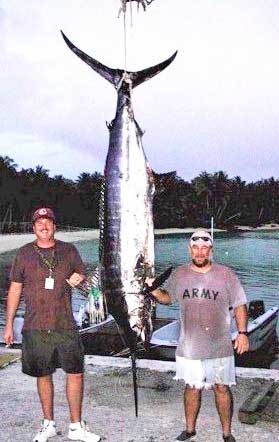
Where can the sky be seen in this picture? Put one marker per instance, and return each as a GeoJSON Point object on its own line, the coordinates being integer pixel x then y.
{"type": "Point", "coordinates": [216, 107]}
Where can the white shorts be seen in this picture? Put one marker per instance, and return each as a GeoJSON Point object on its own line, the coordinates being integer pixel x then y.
{"type": "Point", "coordinates": [207, 372]}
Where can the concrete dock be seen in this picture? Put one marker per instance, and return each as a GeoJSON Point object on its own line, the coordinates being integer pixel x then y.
{"type": "Point", "coordinates": [109, 404]}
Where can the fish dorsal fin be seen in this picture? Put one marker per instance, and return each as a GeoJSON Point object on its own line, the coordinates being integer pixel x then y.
{"type": "Point", "coordinates": [101, 218]}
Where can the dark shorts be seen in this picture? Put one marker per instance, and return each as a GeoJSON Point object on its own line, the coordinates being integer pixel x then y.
{"type": "Point", "coordinates": [45, 350]}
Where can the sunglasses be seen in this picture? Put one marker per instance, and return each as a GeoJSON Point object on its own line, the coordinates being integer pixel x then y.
{"type": "Point", "coordinates": [204, 238]}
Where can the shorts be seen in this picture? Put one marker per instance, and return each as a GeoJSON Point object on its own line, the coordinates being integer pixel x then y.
{"type": "Point", "coordinates": [45, 350]}
{"type": "Point", "coordinates": [206, 373]}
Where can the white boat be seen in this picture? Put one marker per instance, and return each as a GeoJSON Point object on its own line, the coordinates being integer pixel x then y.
{"type": "Point", "coordinates": [80, 317]}
{"type": "Point", "coordinates": [261, 327]}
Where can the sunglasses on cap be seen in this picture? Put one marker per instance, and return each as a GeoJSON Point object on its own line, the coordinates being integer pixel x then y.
{"type": "Point", "coordinates": [204, 238]}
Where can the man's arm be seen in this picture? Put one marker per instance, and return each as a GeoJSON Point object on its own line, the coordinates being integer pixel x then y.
{"type": "Point", "coordinates": [241, 317]}
{"type": "Point", "coordinates": [78, 268]}
{"type": "Point", "coordinates": [13, 300]}
{"type": "Point", "coordinates": [161, 296]}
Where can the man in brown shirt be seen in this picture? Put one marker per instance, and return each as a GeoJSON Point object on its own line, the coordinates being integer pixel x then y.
{"type": "Point", "coordinates": [205, 292]}
{"type": "Point", "coordinates": [44, 272]}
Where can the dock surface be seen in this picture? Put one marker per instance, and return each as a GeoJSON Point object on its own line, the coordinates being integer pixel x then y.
{"type": "Point", "coordinates": [109, 406]}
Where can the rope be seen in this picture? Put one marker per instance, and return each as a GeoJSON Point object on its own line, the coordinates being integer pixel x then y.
{"type": "Point", "coordinates": [125, 32]}
{"type": "Point", "coordinates": [131, 13]}
{"type": "Point", "coordinates": [125, 42]}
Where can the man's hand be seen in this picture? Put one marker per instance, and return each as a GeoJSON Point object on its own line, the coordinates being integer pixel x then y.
{"type": "Point", "coordinates": [13, 299]}
{"type": "Point", "coordinates": [75, 279]}
{"type": "Point", "coordinates": [149, 281]}
{"type": "Point", "coordinates": [241, 344]}
{"type": "Point", "coordinates": [158, 294]}
{"type": "Point", "coordinates": [8, 334]}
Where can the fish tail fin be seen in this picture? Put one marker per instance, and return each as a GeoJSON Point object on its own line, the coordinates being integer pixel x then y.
{"type": "Point", "coordinates": [115, 76]}
{"type": "Point", "coordinates": [144, 75]}
{"type": "Point", "coordinates": [109, 74]}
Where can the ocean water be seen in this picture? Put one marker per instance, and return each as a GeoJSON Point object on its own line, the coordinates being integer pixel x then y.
{"type": "Point", "coordinates": [253, 255]}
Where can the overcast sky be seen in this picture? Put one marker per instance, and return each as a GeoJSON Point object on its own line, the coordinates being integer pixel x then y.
{"type": "Point", "coordinates": [215, 108]}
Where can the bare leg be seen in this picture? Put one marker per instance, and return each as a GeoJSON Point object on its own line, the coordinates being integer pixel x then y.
{"type": "Point", "coordinates": [74, 395]}
{"type": "Point", "coordinates": [192, 403]}
{"type": "Point", "coordinates": [224, 405]}
{"type": "Point", "coordinates": [45, 390]}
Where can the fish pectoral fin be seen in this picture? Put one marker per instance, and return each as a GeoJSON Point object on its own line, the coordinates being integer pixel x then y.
{"type": "Point", "coordinates": [109, 124]}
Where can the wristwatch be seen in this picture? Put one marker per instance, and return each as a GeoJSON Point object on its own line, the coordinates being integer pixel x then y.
{"type": "Point", "coordinates": [243, 333]}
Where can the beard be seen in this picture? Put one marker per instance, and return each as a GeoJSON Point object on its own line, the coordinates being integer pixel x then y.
{"type": "Point", "coordinates": [201, 264]}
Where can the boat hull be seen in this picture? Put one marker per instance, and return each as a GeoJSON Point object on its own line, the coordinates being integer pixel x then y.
{"type": "Point", "coordinates": [261, 331]}
{"type": "Point", "coordinates": [18, 324]}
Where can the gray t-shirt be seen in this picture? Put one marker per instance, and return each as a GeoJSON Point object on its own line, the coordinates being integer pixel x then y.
{"type": "Point", "coordinates": [204, 300]}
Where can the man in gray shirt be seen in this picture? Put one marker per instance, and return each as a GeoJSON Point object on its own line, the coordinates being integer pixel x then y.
{"type": "Point", "coordinates": [205, 292]}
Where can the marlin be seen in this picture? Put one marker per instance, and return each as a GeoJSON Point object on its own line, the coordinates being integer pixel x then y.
{"type": "Point", "coordinates": [126, 246]}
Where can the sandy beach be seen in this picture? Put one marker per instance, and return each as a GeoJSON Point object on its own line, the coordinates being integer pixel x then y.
{"type": "Point", "coordinates": [14, 241]}
{"type": "Point", "coordinates": [263, 227]}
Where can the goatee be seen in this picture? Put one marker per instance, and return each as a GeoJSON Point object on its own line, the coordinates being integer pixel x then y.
{"type": "Point", "coordinates": [201, 264]}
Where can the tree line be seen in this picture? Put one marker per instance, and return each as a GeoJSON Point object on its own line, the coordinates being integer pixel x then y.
{"type": "Point", "coordinates": [177, 203]}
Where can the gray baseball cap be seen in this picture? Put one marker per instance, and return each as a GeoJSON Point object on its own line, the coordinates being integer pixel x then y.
{"type": "Point", "coordinates": [201, 237]}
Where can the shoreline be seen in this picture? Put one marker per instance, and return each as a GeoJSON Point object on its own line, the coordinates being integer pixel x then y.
{"type": "Point", "coordinates": [12, 241]}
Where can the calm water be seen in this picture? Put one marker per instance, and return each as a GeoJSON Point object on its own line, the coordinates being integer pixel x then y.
{"type": "Point", "coordinates": [254, 256]}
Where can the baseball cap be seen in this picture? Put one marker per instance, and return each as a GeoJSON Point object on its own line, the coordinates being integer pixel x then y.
{"type": "Point", "coordinates": [43, 212]}
{"type": "Point", "coordinates": [201, 237]}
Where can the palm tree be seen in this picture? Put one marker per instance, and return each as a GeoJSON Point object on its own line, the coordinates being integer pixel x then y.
{"type": "Point", "coordinates": [8, 190]}
{"type": "Point", "coordinates": [7, 163]}
{"type": "Point", "coordinates": [214, 193]}
{"type": "Point", "coordinates": [203, 188]}
{"type": "Point", "coordinates": [89, 191]}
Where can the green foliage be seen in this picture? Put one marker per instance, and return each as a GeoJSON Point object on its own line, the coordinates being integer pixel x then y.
{"type": "Point", "coordinates": [177, 203]}
{"type": "Point", "coordinates": [75, 203]}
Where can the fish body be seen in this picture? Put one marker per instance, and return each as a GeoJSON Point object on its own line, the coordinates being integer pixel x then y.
{"type": "Point", "coordinates": [126, 221]}
{"type": "Point", "coordinates": [127, 249]}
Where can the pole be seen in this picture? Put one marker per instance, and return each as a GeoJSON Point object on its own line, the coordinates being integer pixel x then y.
{"type": "Point", "coordinates": [212, 227]}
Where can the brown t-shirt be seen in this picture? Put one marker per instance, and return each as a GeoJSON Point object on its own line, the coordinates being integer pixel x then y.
{"type": "Point", "coordinates": [47, 309]}
{"type": "Point", "coordinates": [204, 300]}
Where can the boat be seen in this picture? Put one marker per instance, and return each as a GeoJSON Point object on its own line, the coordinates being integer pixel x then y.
{"type": "Point", "coordinates": [81, 319]}
{"type": "Point", "coordinates": [261, 329]}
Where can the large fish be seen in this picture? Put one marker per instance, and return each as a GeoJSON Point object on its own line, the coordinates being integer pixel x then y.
{"type": "Point", "coordinates": [126, 221]}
